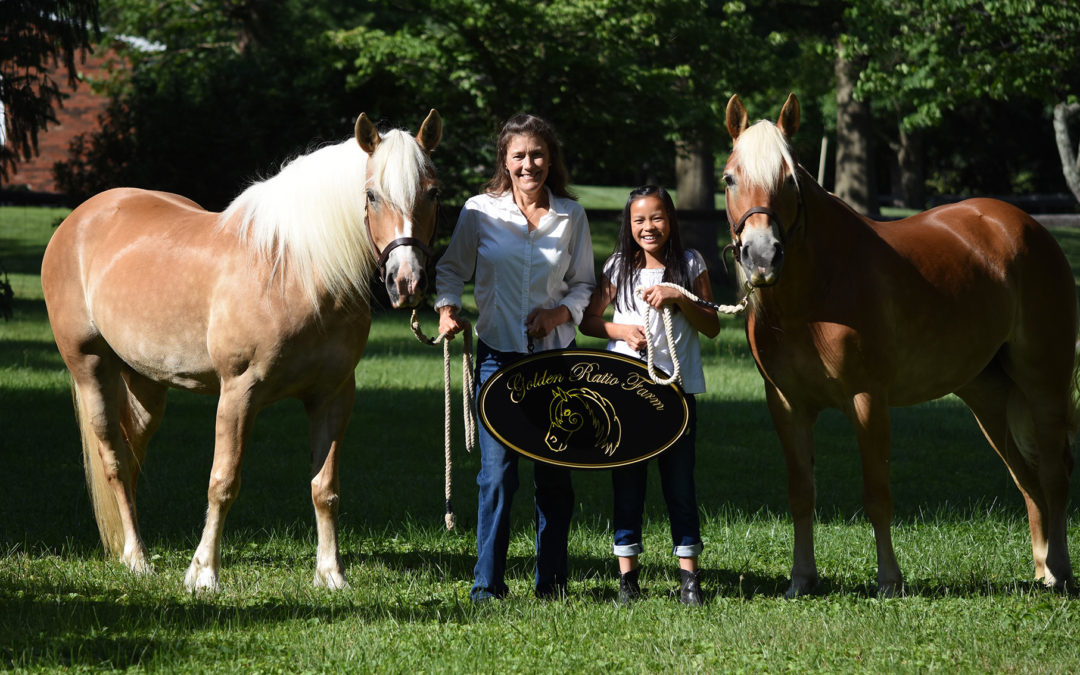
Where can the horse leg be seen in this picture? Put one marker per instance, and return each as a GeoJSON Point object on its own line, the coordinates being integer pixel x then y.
{"type": "Point", "coordinates": [101, 398]}
{"type": "Point", "coordinates": [329, 418]}
{"type": "Point", "coordinates": [796, 432]}
{"type": "Point", "coordinates": [871, 420]}
{"type": "Point", "coordinates": [143, 414]}
{"type": "Point", "coordinates": [235, 414]}
{"type": "Point", "coordinates": [1025, 436]}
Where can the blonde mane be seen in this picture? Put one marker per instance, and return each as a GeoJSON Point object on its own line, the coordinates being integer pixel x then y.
{"type": "Point", "coordinates": [309, 220]}
{"type": "Point", "coordinates": [764, 155]}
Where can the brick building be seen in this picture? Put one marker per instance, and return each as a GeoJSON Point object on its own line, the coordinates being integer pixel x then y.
{"type": "Point", "coordinates": [78, 114]}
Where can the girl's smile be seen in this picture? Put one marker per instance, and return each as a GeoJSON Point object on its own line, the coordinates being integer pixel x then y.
{"type": "Point", "coordinates": [650, 227]}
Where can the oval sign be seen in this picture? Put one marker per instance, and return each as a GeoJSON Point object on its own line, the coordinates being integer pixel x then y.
{"type": "Point", "coordinates": [582, 408]}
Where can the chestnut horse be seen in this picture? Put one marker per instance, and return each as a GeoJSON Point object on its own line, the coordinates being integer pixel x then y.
{"type": "Point", "coordinates": [974, 298]}
{"type": "Point", "coordinates": [265, 301]}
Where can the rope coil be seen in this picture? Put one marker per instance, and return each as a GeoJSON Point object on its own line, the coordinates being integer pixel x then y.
{"type": "Point", "coordinates": [669, 332]}
{"type": "Point", "coordinates": [469, 410]}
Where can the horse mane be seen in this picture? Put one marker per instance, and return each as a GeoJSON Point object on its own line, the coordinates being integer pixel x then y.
{"type": "Point", "coordinates": [765, 156]}
{"type": "Point", "coordinates": [607, 429]}
{"type": "Point", "coordinates": [309, 220]}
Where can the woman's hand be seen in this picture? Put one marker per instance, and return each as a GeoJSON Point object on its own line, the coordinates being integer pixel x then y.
{"type": "Point", "coordinates": [540, 322]}
{"type": "Point", "coordinates": [450, 324]}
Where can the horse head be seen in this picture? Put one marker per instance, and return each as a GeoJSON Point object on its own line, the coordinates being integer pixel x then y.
{"type": "Point", "coordinates": [763, 199]}
{"type": "Point", "coordinates": [402, 204]}
{"type": "Point", "coordinates": [563, 420]}
{"type": "Point", "coordinates": [568, 412]}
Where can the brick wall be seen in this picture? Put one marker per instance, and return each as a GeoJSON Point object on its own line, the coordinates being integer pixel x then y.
{"type": "Point", "coordinates": [79, 114]}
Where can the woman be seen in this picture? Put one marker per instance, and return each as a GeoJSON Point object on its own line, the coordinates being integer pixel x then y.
{"type": "Point", "coordinates": [526, 240]}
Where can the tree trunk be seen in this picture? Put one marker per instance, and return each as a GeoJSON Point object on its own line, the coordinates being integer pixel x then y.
{"type": "Point", "coordinates": [910, 152]}
{"type": "Point", "coordinates": [696, 188]}
{"type": "Point", "coordinates": [1070, 163]}
{"type": "Point", "coordinates": [854, 172]}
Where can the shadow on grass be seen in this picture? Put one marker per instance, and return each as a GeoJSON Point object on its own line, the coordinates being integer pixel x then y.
{"type": "Point", "coordinates": [392, 473]}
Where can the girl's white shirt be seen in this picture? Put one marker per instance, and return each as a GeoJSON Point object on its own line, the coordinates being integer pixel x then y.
{"type": "Point", "coordinates": [687, 347]}
{"type": "Point", "coordinates": [517, 271]}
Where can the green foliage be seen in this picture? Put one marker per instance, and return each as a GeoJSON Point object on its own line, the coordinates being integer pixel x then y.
{"type": "Point", "coordinates": [213, 95]}
{"type": "Point", "coordinates": [35, 37]}
{"type": "Point", "coordinates": [621, 81]}
{"type": "Point", "coordinates": [927, 57]}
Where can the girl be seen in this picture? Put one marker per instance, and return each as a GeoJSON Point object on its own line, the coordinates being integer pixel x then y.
{"type": "Point", "coordinates": [650, 250]}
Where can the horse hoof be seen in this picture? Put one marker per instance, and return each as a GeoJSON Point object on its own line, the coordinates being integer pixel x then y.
{"type": "Point", "coordinates": [201, 581]}
{"type": "Point", "coordinates": [334, 582]}
{"type": "Point", "coordinates": [139, 565]}
{"type": "Point", "coordinates": [800, 587]}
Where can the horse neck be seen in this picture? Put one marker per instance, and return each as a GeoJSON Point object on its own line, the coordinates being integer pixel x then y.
{"type": "Point", "coordinates": [828, 232]}
{"type": "Point", "coordinates": [308, 224]}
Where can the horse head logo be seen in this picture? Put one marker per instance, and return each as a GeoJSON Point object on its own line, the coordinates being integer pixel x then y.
{"type": "Point", "coordinates": [571, 409]}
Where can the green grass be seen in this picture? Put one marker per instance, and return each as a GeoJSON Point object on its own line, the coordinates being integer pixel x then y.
{"type": "Point", "coordinates": [960, 534]}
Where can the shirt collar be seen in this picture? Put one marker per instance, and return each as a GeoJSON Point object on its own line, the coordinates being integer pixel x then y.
{"type": "Point", "coordinates": [556, 206]}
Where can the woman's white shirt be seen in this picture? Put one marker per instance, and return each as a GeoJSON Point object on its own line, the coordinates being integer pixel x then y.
{"type": "Point", "coordinates": [516, 270]}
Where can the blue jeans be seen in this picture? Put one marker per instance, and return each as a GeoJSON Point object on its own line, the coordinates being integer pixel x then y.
{"type": "Point", "coordinates": [498, 480]}
{"type": "Point", "coordinates": [677, 480]}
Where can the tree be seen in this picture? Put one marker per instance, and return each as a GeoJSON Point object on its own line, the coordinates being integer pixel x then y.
{"type": "Point", "coordinates": [1070, 163]}
{"type": "Point", "coordinates": [924, 59]}
{"type": "Point", "coordinates": [36, 37]}
{"type": "Point", "coordinates": [213, 92]}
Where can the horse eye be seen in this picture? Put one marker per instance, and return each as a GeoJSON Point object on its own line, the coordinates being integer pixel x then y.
{"type": "Point", "coordinates": [729, 180]}
{"type": "Point", "coordinates": [372, 198]}
{"type": "Point", "coordinates": [433, 194]}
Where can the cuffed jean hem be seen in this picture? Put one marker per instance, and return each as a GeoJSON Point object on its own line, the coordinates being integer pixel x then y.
{"type": "Point", "coordinates": [692, 551]}
{"type": "Point", "coordinates": [627, 550]}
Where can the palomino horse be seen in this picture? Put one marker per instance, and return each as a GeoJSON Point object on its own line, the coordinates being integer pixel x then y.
{"type": "Point", "coordinates": [974, 298]}
{"type": "Point", "coordinates": [268, 300]}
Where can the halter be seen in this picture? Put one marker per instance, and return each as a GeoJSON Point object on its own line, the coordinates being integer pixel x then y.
{"type": "Point", "coordinates": [738, 227]}
{"type": "Point", "coordinates": [384, 255]}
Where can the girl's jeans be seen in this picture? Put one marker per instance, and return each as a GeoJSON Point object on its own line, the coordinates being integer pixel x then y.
{"type": "Point", "coordinates": [677, 480]}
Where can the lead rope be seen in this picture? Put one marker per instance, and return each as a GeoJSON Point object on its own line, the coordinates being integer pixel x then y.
{"type": "Point", "coordinates": [669, 331]}
{"type": "Point", "coordinates": [469, 411]}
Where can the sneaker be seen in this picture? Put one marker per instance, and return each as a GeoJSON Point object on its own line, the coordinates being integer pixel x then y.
{"type": "Point", "coordinates": [690, 591]}
{"type": "Point", "coordinates": [628, 587]}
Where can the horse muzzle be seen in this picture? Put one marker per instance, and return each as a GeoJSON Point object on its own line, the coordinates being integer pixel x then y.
{"type": "Point", "coordinates": [761, 255]}
{"type": "Point", "coordinates": [401, 268]}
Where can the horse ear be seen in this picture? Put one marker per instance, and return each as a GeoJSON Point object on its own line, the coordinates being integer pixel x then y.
{"type": "Point", "coordinates": [737, 120]}
{"type": "Point", "coordinates": [789, 116]}
{"type": "Point", "coordinates": [430, 131]}
{"type": "Point", "coordinates": [366, 134]}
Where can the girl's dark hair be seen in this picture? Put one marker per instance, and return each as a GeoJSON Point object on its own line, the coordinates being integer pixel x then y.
{"type": "Point", "coordinates": [530, 125]}
{"type": "Point", "coordinates": [629, 258]}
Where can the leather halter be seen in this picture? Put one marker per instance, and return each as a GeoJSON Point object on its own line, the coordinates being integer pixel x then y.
{"type": "Point", "coordinates": [738, 227]}
{"type": "Point", "coordinates": [384, 255]}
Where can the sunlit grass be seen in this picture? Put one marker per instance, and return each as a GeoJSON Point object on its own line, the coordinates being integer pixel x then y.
{"type": "Point", "coordinates": [960, 532]}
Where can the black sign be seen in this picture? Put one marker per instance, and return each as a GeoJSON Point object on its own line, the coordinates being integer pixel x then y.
{"type": "Point", "coordinates": [582, 408]}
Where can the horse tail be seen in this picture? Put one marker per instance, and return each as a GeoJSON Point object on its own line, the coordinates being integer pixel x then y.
{"type": "Point", "coordinates": [1074, 404]}
{"type": "Point", "coordinates": [102, 499]}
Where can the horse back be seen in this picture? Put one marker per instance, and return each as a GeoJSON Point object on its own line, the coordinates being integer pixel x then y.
{"type": "Point", "coordinates": [915, 307]}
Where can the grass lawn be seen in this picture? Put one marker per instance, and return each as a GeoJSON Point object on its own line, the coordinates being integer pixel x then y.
{"type": "Point", "coordinates": [960, 532]}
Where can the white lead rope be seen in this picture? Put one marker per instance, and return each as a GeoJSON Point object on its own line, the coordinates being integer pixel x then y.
{"type": "Point", "coordinates": [669, 331]}
{"type": "Point", "coordinates": [469, 411]}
